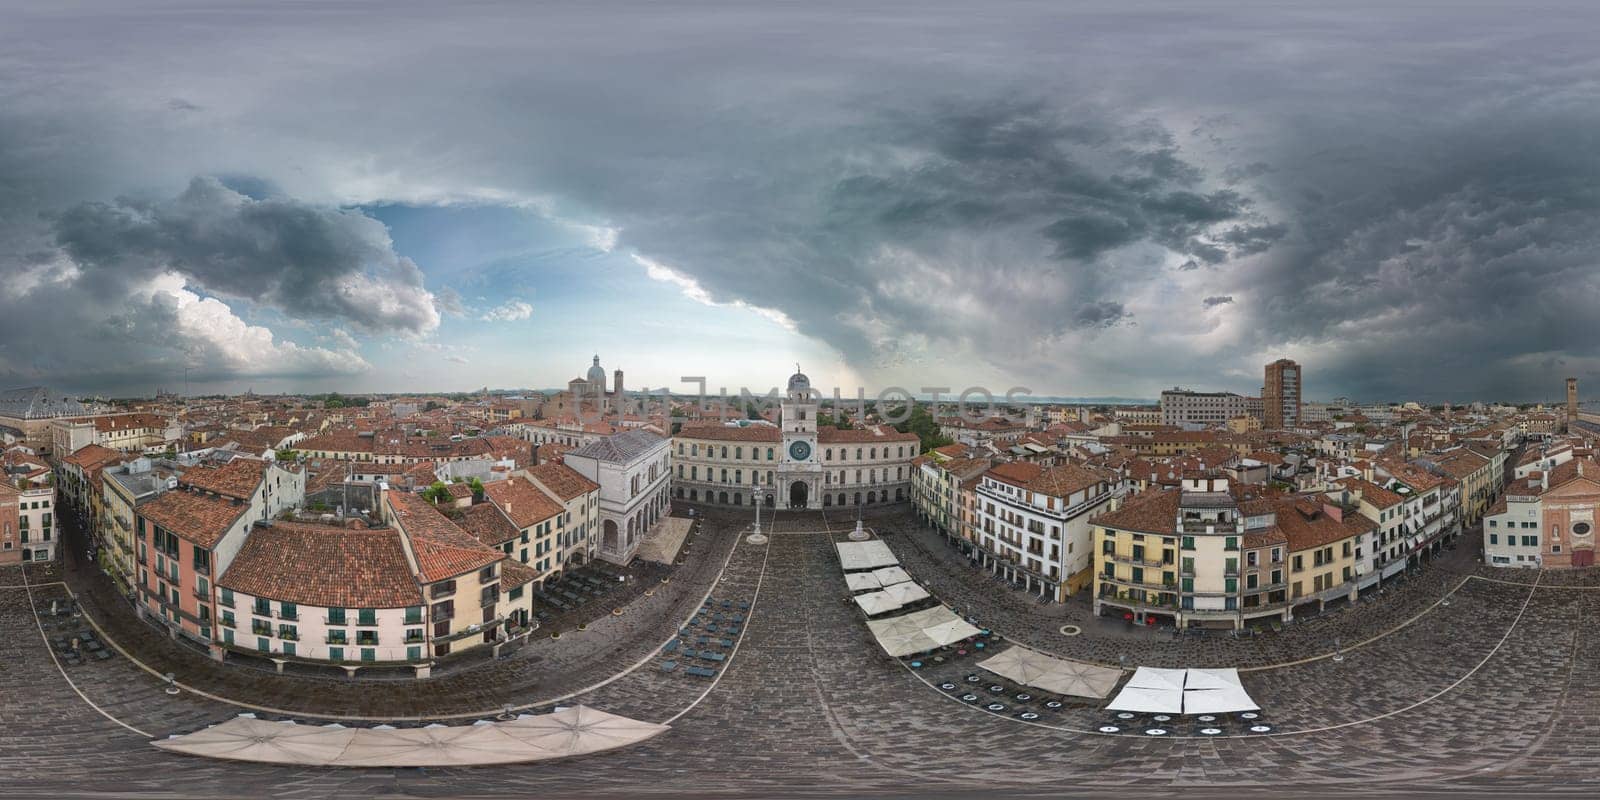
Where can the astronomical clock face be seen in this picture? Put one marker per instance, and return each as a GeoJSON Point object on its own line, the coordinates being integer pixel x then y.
{"type": "Point", "coordinates": [799, 451]}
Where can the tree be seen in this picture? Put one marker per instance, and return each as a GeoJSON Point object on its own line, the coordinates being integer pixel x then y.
{"type": "Point", "coordinates": [287, 454]}
{"type": "Point", "coordinates": [437, 493]}
{"type": "Point", "coordinates": [477, 488]}
{"type": "Point", "coordinates": [925, 427]}
{"type": "Point", "coordinates": [824, 419]}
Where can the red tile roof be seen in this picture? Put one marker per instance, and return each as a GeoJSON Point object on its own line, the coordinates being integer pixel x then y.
{"type": "Point", "coordinates": [193, 516]}
{"type": "Point", "coordinates": [1059, 481]}
{"type": "Point", "coordinates": [524, 503]}
{"type": "Point", "coordinates": [327, 567]}
{"type": "Point", "coordinates": [441, 548]}
{"type": "Point", "coordinates": [488, 524]}
{"type": "Point", "coordinates": [872, 434]}
{"type": "Point", "coordinates": [566, 482]}
{"type": "Point", "coordinates": [237, 478]}
{"type": "Point", "coordinates": [729, 433]}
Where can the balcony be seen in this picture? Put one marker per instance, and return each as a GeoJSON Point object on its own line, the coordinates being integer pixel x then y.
{"type": "Point", "coordinates": [337, 641]}
{"type": "Point", "coordinates": [261, 630]}
{"type": "Point", "coordinates": [415, 638]}
{"type": "Point", "coordinates": [289, 636]}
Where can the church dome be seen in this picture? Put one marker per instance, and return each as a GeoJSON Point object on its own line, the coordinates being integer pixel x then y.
{"type": "Point", "coordinates": [798, 381]}
{"type": "Point", "coordinates": [597, 373]}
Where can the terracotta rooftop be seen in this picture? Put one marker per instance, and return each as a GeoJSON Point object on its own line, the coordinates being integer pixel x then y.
{"type": "Point", "coordinates": [1146, 512]}
{"type": "Point", "coordinates": [198, 518]}
{"type": "Point", "coordinates": [1308, 526]}
{"type": "Point", "coordinates": [488, 524]}
{"type": "Point", "coordinates": [566, 482]}
{"type": "Point", "coordinates": [91, 457]}
{"type": "Point", "coordinates": [442, 549]}
{"type": "Point", "coordinates": [237, 478]}
{"type": "Point", "coordinates": [730, 433]}
{"type": "Point", "coordinates": [1060, 481]}
{"type": "Point", "coordinates": [514, 573]}
{"type": "Point", "coordinates": [323, 566]}
{"type": "Point", "coordinates": [525, 504]}
{"type": "Point", "coordinates": [869, 435]}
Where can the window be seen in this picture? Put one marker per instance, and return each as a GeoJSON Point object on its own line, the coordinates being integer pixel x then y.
{"type": "Point", "coordinates": [336, 616]}
{"type": "Point", "coordinates": [367, 616]}
{"type": "Point", "coordinates": [288, 611]}
{"type": "Point", "coordinates": [227, 598]}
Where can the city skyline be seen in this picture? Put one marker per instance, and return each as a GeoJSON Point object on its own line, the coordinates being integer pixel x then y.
{"type": "Point", "coordinates": [893, 198]}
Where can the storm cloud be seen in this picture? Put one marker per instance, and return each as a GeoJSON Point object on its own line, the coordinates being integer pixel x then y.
{"type": "Point", "coordinates": [304, 261]}
{"type": "Point", "coordinates": [1047, 194]}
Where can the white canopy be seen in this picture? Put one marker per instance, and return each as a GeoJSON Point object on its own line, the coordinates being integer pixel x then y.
{"type": "Point", "coordinates": [875, 603]}
{"type": "Point", "coordinates": [920, 631]}
{"type": "Point", "coordinates": [862, 581]}
{"type": "Point", "coordinates": [1041, 671]}
{"type": "Point", "coordinates": [1212, 679]}
{"type": "Point", "coordinates": [1217, 701]}
{"type": "Point", "coordinates": [574, 731]}
{"type": "Point", "coordinates": [865, 555]}
{"type": "Point", "coordinates": [906, 593]}
{"type": "Point", "coordinates": [889, 576]}
{"type": "Point", "coordinates": [1215, 691]}
{"type": "Point", "coordinates": [1148, 701]}
{"type": "Point", "coordinates": [1178, 691]}
{"type": "Point", "coordinates": [1158, 678]}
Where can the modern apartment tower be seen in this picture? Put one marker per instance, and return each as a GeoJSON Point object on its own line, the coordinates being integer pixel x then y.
{"type": "Point", "coordinates": [1281, 395]}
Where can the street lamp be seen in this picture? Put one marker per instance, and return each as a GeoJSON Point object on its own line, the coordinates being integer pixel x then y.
{"type": "Point", "coordinates": [756, 537]}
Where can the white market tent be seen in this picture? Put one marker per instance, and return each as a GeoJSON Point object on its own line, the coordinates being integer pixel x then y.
{"type": "Point", "coordinates": [889, 576]}
{"type": "Point", "coordinates": [1151, 690]}
{"type": "Point", "coordinates": [1147, 701]}
{"type": "Point", "coordinates": [906, 593]}
{"type": "Point", "coordinates": [1179, 691]}
{"type": "Point", "coordinates": [920, 631]}
{"type": "Point", "coordinates": [875, 603]}
{"type": "Point", "coordinates": [865, 555]}
{"type": "Point", "coordinates": [574, 731]}
{"type": "Point", "coordinates": [1215, 691]}
{"type": "Point", "coordinates": [891, 598]}
{"type": "Point", "coordinates": [1051, 674]}
{"type": "Point", "coordinates": [862, 582]}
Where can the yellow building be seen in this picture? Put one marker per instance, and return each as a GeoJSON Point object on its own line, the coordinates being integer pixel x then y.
{"type": "Point", "coordinates": [1200, 556]}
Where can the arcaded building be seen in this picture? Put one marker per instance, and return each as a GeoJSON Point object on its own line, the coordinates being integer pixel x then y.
{"type": "Point", "coordinates": [794, 464]}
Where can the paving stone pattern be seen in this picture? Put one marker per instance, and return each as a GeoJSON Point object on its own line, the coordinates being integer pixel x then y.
{"type": "Point", "coordinates": [1487, 694]}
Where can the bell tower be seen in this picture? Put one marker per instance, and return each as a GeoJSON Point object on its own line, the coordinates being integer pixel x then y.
{"type": "Point", "coordinates": [799, 411]}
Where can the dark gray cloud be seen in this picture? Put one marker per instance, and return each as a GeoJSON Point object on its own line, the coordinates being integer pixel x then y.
{"type": "Point", "coordinates": [923, 189]}
{"type": "Point", "coordinates": [305, 261]}
{"type": "Point", "coordinates": [1217, 300]}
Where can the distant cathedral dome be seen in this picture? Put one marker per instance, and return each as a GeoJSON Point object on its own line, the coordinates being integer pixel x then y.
{"type": "Point", "coordinates": [597, 373]}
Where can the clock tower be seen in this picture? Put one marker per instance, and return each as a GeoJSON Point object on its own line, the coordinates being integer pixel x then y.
{"type": "Point", "coordinates": [801, 467]}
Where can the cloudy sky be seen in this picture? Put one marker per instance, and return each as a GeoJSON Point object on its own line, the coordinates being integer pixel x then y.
{"type": "Point", "coordinates": [1079, 198]}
